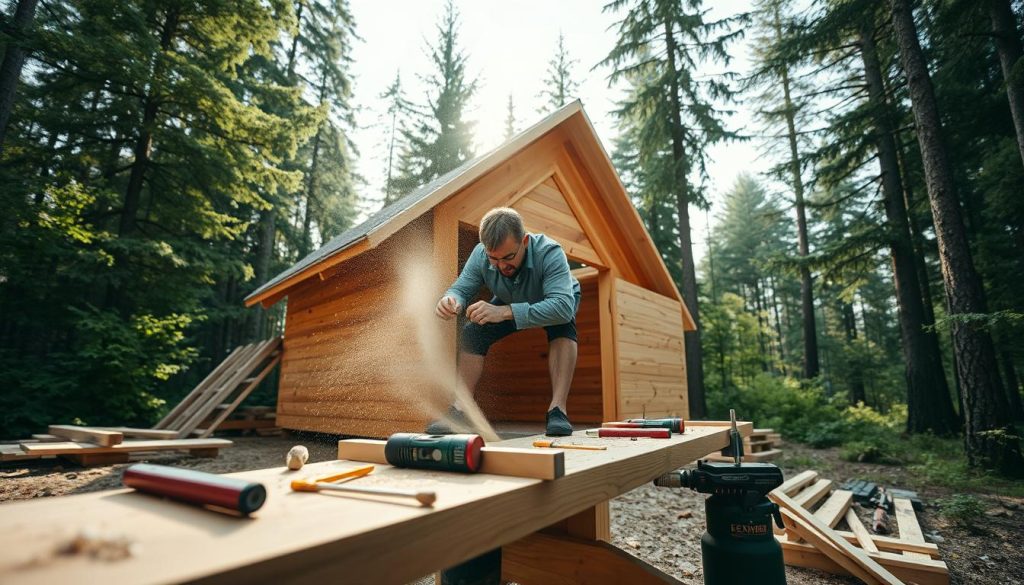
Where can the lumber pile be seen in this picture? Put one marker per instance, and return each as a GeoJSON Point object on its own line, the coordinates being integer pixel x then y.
{"type": "Point", "coordinates": [104, 446]}
{"type": "Point", "coordinates": [760, 445]}
{"type": "Point", "coordinates": [261, 420]}
{"type": "Point", "coordinates": [186, 428]}
{"type": "Point", "coordinates": [812, 510]}
{"type": "Point", "coordinates": [210, 403]}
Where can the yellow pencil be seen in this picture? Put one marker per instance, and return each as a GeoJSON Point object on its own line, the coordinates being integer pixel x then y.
{"type": "Point", "coordinates": [557, 445]}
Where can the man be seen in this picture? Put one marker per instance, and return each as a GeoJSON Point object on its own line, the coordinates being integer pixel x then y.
{"type": "Point", "coordinates": [532, 286]}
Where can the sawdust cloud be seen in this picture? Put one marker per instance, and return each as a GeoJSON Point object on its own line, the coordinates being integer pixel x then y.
{"type": "Point", "coordinates": [418, 280]}
{"type": "Point", "coordinates": [388, 350]}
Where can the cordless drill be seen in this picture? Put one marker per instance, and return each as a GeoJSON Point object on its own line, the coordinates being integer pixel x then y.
{"type": "Point", "coordinates": [739, 545]}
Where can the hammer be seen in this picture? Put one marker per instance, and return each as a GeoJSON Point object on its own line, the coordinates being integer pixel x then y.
{"type": "Point", "coordinates": [327, 483]}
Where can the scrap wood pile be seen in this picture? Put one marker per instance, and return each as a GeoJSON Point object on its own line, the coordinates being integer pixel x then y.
{"type": "Point", "coordinates": [186, 428]}
{"type": "Point", "coordinates": [812, 539]}
{"type": "Point", "coordinates": [759, 445]}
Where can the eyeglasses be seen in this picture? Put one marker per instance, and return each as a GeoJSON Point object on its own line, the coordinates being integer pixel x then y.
{"type": "Point", "coordinates": [506, 257]}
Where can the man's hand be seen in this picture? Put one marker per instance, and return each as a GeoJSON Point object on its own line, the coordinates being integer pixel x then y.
{"type": "Point", "coordinates": [482, 312]}
{"type": "Point", "coordinates": [447, 308]}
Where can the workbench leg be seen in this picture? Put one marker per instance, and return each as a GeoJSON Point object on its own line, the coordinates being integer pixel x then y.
{"type": "Point", "coordinates": [542, 559]}
{"type": "Point", "coordinates": [590, 524]}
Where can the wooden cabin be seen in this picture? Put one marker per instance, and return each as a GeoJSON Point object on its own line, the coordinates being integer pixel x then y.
{"type": "Point", "coordinates": [356, 361]}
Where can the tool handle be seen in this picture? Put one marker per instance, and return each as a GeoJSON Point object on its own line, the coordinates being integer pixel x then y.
{"type": "Point", "coordinates": [425, 498]}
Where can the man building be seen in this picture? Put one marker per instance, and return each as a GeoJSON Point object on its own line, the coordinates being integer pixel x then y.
{"type": "Point", "coordinates": [528, 274]}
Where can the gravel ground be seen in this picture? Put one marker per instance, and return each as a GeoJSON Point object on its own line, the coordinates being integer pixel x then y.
{"type": "Point", "coordinates": [661, 526]}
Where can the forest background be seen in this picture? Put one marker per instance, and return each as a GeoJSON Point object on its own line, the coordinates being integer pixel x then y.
{"type": "Point", "coordinates": [161, 159]}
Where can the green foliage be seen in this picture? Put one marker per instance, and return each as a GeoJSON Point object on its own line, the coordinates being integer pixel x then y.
{"type": "Point", "coordinates": [961, 509]}
{"type": "Point", "coordinates": [149, 148]}
{"type": "Point", "coordinates": [442, 139]}
{"type": "Point", "coordinates": [779, 403]}
{"type": "Point", "coordinates": [559, 87]}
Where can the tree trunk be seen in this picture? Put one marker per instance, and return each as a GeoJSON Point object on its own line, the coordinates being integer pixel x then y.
{"type": "Point", "coordinates": [1008, 45]}
{"type": "Point", "coordinates": [1012, 385]}
{"type": "Point", "coordinates": [929, 406]}
{"type": "Point", "coordinates": [811, 366]}
{"type": "Point", "coordinates": [694, 351]}
{"type": "Point", "coordinates": [990, 439]}
{"type": "Point", "coordinates": [144, 143]}
{"type": "Point", "coordinates": [849, 319]}
{"type": "Point", "coordinates": [14, 60]}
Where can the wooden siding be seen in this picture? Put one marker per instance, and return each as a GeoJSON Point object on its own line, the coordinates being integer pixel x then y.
{"type": "Point", "coordinates": [545, 211]}
{"type": "Point", "coordinates": [352, 363]}
{"type": "Point", "coordinates": [516, 385]}
{"type": "Point", "coordinates": [652, 365]}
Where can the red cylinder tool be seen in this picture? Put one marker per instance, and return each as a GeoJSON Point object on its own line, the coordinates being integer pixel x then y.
{"type": "Point", "coordinates": [619, 432]}
{"type": "Point", "coordinates": [196, 487]}
{"type": "Point", "coordinates": [675, 425]}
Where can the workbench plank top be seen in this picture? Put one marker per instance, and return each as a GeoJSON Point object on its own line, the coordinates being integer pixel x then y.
{"type": "Point", "coordinates": [300, 536]}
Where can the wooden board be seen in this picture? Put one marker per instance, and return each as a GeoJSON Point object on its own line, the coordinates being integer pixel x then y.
{"type": "Point", "coordinates": [651, 362]}
{"type": "Point", "coordinates": [922, 572]}
{"type": "Point", "coordinates": [906, 522]}
{"type": "Point", "coordinates": [557, 560]}
{"type": "Point", "coordinates": [832, 545]}
{"type": "Point", "coordinates": [514, 462]}
{"type": "Point", "coordinates": [311, 537]}
{"type": "Point", "coordinates": [72, 448]}
{"type": "Point", "coordinates": [97, 436]}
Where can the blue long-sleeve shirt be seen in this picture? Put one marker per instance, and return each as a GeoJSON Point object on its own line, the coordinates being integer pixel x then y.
{"type": "Point", "coordinates": [542, 293]}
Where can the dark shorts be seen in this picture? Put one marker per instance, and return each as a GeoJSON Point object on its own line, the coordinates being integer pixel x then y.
{"type": "Point", "coordinates": [477, 339]}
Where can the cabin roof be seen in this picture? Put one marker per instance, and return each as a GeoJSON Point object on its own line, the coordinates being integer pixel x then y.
{"type": "Point", "coordinates": [393, 217]}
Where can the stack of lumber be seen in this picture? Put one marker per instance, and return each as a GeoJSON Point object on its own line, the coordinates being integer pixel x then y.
{"type": "Point", "coordinates": [210, 403]}
{"type": "Point", "coordinates": [812, 510]}
{"type": "Point", "coordinates": [261, 420]}
{"type": "Point", "coordinates": [761, 445]}
{"type": "Point", "coordinates": [187, 427]}
{"type": "Point", "coordinates": [104, 446]}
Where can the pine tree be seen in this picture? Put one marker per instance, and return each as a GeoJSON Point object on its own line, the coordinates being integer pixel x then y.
{"type": "Point", "coordinates": [15, 36]}
{"type": "Point", "coordinates": [442, 139]}
{"type": "Point", "coordinates": [510, 119]}
{"type": "Point", "coordinates": [774, 77]}
{"type": "Point", "coordinates": [1011, 58]}
{"type": "Point", "coordinates": [665, 41]}
{"type": "Point", "coordinates": [559, 87]}
{"type": "Point", "coordinates": [990, 438]}
{"type": "Point", "coordinates": [398, 109]}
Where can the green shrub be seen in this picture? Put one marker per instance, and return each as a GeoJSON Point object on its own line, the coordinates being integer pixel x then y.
{"type": "Point", "coordinates": [961, 509]}
{"type": "Point", "coordinates": [783, 404]}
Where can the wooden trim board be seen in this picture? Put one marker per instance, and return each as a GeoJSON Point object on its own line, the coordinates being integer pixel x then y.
{"type": "Point", "coordinates": [831, 544]}
{"type": "Point", "coordinates": [556, 560]}
{"type": "Point", "coordinates": [515, 462]}
{"type": "Point", "coordinates": [72, 448]}
{"type": "Point", "coordinates": [98, 436]}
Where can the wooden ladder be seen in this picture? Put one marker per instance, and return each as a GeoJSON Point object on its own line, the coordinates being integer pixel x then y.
{"type": "Point", "coordinates": [223, 389]}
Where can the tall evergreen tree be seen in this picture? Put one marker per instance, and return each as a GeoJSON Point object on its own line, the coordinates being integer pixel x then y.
{"type": "Point", "coordinates": [665, 41]}
{"type": "Point", "coordinates": [441, 139]}
{"type": "Point", "coordinates": [15, 35]}
{"type": "Point", "coordinates": [990, 438]}
{"type": "Point", "coordinates": [510, 119]}
{"type": "Point", "coordinates": [777, 94]}
{"type": "Point", "coordinates": [397, 111]}
{"type": "Point", "coordinates": [559, 87]}
{"type": "Point", "coordinates": [1011, 58]}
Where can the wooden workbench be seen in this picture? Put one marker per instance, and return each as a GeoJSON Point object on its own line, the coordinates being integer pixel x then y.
{"type": "Point", "coordinates": [313, 538]}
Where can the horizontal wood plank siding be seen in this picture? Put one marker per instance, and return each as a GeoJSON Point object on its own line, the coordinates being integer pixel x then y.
{"type": "Point", "coordinates": [516, 385]}
{"type": "Point", "coordinates": [652, 365]}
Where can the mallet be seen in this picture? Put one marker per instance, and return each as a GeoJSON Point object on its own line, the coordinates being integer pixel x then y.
{"type": "Point", "coordinates": [326, 483]}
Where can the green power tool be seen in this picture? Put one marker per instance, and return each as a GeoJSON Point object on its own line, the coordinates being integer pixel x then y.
{"type": "Point", "coordinates": [739, 545]}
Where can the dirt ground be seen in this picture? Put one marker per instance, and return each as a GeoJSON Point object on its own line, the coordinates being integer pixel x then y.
{"type": "Point", "coordinates": [661, 526]}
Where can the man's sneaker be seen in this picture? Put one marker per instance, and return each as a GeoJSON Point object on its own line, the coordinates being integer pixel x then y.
{"type": "Point", "coordinates": [558, 423]}
{"type": "Point", "coordinates": [453, 421]}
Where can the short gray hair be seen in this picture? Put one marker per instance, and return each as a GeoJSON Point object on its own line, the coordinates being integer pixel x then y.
{"type": "Point", "coordinates": [498, 224]}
